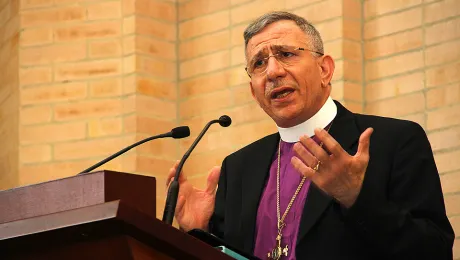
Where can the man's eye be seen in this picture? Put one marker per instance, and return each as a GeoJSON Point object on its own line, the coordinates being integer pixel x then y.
{"type": "Point", "coordinates": [287, 54]}
{"type": "Point", "coordinates": [258, 63]}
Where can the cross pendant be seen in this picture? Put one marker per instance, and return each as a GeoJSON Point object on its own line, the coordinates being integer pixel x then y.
{"type": "Point", "coordinates": [278, 251]}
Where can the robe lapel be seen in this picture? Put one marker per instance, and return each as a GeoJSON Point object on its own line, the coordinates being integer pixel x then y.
{"type": "Point", "coordinates": [346, 133]}
{"type": "Point", "coordinates": [253, 185]}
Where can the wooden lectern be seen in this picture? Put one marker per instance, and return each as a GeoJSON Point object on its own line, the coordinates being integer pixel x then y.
{"type": "Point", "coordinates": [100, 215]}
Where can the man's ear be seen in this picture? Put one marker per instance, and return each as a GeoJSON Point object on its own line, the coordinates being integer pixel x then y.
{"type": "Point", "coordinates": [327, 70]}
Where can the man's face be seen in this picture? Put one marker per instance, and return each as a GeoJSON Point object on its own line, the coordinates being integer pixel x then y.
{"type": "Point", "coordinates": [292, 87]}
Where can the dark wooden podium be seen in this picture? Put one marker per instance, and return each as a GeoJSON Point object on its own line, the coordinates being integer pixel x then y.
{"type": "Point", "coordinates": [101, 215]}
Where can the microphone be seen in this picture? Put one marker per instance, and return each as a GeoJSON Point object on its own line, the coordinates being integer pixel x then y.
{"type": "Point", "coordinates": [173, 191]}
{"type": "Point", "coordinates": [176, 133]}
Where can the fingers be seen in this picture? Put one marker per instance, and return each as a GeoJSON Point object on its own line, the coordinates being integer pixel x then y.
{"type": "Point", "coordinates": [171, 173]}
{"type": "Point", "coordinates": [314, 149]}
{"type": "Point", "coordinates": [179, 207]}
{"type": "Point", "coordinates": [329, 142]}
{"type": "Point", "coordinates": [213, 180]}
{"type": "Point", "coordinates": [303, 154]}
{"type": "Point", "coordinates": [302, 168]}
{"type": "Point", "coordinates": [364, 142]}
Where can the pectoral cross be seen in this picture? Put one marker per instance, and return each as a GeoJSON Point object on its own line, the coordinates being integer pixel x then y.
{"type": "Point", "coordinates": [278, 251]}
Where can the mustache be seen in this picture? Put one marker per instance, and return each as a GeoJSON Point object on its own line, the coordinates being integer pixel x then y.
{"type": "Point", "coordinates": [270, 86]}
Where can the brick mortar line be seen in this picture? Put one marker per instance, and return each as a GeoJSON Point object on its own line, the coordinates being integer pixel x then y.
{"type": "Point", "coordinates": [397, 11]}
{"type": "Point", "coordinates": [447, 19]}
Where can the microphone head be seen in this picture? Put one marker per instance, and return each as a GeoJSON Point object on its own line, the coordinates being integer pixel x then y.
{"type": "Point", "coordinates": [180, 132]}
{"type": "Point", "coordinates": [225, 121]}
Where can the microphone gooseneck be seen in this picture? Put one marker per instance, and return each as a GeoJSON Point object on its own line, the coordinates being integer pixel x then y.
{"type": "Point", "coordinates": [177, 133]}
{"type": "Point", "coordinates": [173, 191]}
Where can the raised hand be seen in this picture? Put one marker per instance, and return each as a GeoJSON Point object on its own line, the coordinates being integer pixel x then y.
{"type": "Point", "coordinates": [339, 174]}
{"type": "Point", "coordinates": [194, 206]}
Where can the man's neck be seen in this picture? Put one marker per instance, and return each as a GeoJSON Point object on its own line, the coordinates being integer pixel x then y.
{"type": "Point", "coordinates": [319, 120]}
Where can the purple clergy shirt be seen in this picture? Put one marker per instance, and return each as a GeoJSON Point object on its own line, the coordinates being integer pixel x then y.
{"type": "Point", "coordinates": [266, 223]}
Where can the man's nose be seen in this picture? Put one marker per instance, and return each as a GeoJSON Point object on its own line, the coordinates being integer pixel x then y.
{"type": "Point", "coordinates": [274, 68]}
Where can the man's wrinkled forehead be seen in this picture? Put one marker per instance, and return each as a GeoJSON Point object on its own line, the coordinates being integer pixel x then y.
{"type": "Point", "coordinates": [279, 33]}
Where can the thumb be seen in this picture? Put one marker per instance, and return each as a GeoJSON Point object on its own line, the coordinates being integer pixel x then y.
{"type": "Point", "coordinates": [213, 180]}
{"type": "Point", "coordinates": [364, 142]}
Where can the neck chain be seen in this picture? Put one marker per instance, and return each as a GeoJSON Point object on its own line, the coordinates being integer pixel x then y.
{"type": "Point", "coordinates": [278, 250]}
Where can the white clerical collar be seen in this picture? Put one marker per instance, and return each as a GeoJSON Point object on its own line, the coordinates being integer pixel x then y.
{"type": "Point", "coordinates": [320, 120]}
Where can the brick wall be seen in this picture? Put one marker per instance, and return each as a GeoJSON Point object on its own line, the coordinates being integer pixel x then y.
{"type": "Point", "coordinates": [9, 94]}
{"type": "Point", "coordinates": [412, 71]}
{"type": "Point", "coordinates": [97, 75]}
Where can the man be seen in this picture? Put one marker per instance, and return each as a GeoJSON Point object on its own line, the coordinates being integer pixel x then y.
{"type": "Point", "coordinates": [330, 184]}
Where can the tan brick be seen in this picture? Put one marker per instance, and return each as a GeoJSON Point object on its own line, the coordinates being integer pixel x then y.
{"type": "Point", "coordinates": [246, 133]}
{"type": "Point", "coordinates": [166, 148]}
{"type": "Point", "coordinates": [445, 139]}
{"type": "Point", "coordinates": [5, 14]}
{"type": "Point", "coordinates": [352, 30]}
{"type": "Point", "coordinates": [237, 56]}
{"type": "Point", "coordinates": [394, 65]}
{"type": "Point", "coordinates": [204, 45]}
{"type": "Point", "coordinates": [88, 31]}
{"type": "Point", "coordinates": [352, 50]}
{"type": "Point", "coordinates": [237, 2]}
{"type": "Point", "coordinates": [88, 70]}
{"type": "Point", "coordinates": [61, 132]}
{"type": "Point", "coordinates": [159, 68]}
{"type": "Point", "coordinates": [338, 71]}
{"type": "Point", "coordinates": [456, 248]}
{"type": "Point", "coordinates": [104, 10]}
{"type": "Point", "coordinates": [418, 118]}
{"type": "Point", "coordinates": [35, 153]}
{"type": "Point", "coordinates": [443, 75]}
{"type": "Point", "coordinates": [35, 115]}
{"type": "Point", "coordinates": [205, 64]}
{"type": "Point", "coordinates": [236, 35]}
{"type": "Point", "coordinates": [156, 88]}
{"type": "Point", "coordinates": [398, 106]}
{"type": "Point", "coordinates": [355, 107]}
{"type": "Point", "coordinates": [352, 9]}
{"type": "Point", "coordinates": [337, 90]}
{"type": "Point", "coordinates": [201, 163]}
{"type": "Point", "coordinates": [157, 29]}
{"type": "Point", "coordinates": [129, 44]}
{"type": "Point", "coordinates": [335, 48]}
{"type": "Point", "coordinates": [159, 167]}
{"type": "Point", "coordinates": [237, 76]}
{"type": "Point", "coordinates": [393, 23]}
{"type": "Point", "coordinates": [393, 87]}
{"type": "Point", "coordinates": [105, 127]}
{"type": "Point", "coordinates": [400, 42]}
{"type": "Point", "coordinates": [52, 16]}
{"type": "Point", "coordinates": [87, 109]}
{"type": "Point", "coordinates": [442, 31]}
{"type": "Point", "coordinates": [105, 48]}
{"type": "Point", "coordinates": [110, 87]}
{"type": "Point", "coordinates": [10, 29]}
{"type": "Point", "coordinates": [147, 125]}
{"type": "Point", "coordinates": [352, 71]}
{"type": "Point", "coordinates": [203, 104]}
{"type": "Point", "coordinates": [443, 96]}
{"type": "Point", "coordinates": [130, 64]}
{"type": "Point", "coordinates": [441, 10]}
{"type": "Point", "coordinates": [156, 48]}
{"type": "Point", "coordinates": [196, 8]}
{"type": "Point", "coordinates": [26, 4]}
{"type": "Point", "coordinates": [249, 11]}
{"type": "Point", "coordinates": [376, 8]}
{"type": "Point", "coordinates": [331, 30]}
{"type": "Point", "coordinates": [443, 117]}
{"type": "Point", "coordinates": [314, 12]}
{"type": "Point", "coordinates": [352, 91]}
{"type": "Point", "coordinates": [443, 53]}
{"type": "Point", "coordinates": [89, 148]}
{"type": "Point", "coordinates": [130, 23]}
{"type": "Point", "coordinates": [31, 36]}
{"type": "Point", "coordinates": [53, 93]}
{"type": "Point", "coordinates": [204, 84]}
{"type": "Point", "coordinates": [452, 204]}
{"type": "Point", "coordinates": [242, 95]}
{"type": "Point", "coordinates": [52, 54]}
{"type": "Point", "coordinates": [35, 75]}
{"type": "Point", "coordinates": [204, 24]}
{"type": "Point", "coordinates": [156, 9]}
{"type": "Point", "coordinates": [149, 106]}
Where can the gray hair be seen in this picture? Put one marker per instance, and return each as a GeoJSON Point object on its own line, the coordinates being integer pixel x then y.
{"type": "Point", "coordinates": [263, 21]}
